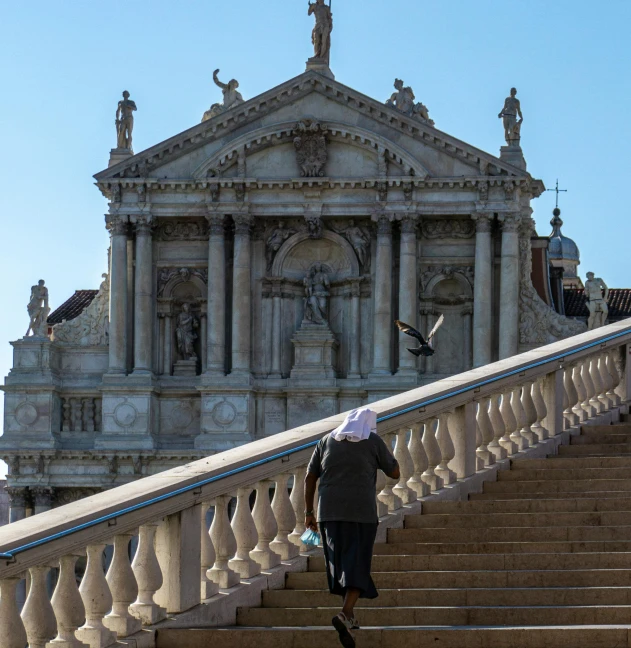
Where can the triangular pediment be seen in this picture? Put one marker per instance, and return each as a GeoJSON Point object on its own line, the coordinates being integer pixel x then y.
{"type": "Point", "coordinates": [211, 148]}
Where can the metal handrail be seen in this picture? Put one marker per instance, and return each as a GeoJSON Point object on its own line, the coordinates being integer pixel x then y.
{"type": "Point", "coordinates": [10, 555]}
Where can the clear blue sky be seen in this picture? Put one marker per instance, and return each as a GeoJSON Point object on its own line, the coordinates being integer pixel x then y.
{"type": "Point", "coordinates": [65, 63]}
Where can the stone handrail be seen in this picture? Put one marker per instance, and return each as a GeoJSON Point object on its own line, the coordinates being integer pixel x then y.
{"type": "Point", "coordinates": [448, 437]}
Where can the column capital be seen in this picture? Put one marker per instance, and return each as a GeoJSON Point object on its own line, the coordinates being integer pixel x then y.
{"type": "Point", "coordinates": [384, 222]}
{"type": "Point", "coordinates": [42, 495]}
{"type": "Point", "coordinates": [116, 225]}
{"type": "Point", "coordinates": [483, 221]}
{"type": "Point", "coordinates": [242, 223]}
{"type": "Point", "coordinates": [216, 223]}
{"type": "Point", "coordinates": [276, 285]}
{"type": "Point", "coordinates": [143, 224]}
{"type": "Point", "coordinates": [510, 221]}
{"type": "Point", "coordinates": [409, 224]}
{"type": "Point", "coordinates": [18, 495]}
{"type": "Point", "coordinates": [355, 284]}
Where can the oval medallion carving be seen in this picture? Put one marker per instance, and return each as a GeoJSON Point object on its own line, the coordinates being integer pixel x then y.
{"type": "Point", "coordinates": [26, 414]}
{"type": "Point", "coordinates": [125, 414]}
{"type": "Point", "coordinates": [224, 413]}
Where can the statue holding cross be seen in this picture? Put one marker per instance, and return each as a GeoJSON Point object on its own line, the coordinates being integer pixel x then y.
{"type": "Point", "coordinates": [321, 34]}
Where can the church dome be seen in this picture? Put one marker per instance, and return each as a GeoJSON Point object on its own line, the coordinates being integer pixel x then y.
{"type": "Point", "coordinates": [561, 248]}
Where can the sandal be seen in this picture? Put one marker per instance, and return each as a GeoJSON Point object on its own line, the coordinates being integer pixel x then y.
{"type": "Point", "coordinates": [343, 625]}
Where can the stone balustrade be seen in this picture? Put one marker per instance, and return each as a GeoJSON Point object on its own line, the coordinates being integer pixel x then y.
{"type": "Point", "coordinates": [81, 414]}
{"type": "Point", "coordinates": [448, 437]}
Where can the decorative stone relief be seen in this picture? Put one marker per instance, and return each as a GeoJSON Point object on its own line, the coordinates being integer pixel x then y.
{"type": "Point", "coordinates": [166, 274]}
{"type": "Point", "coordinates": [69, 495]}
{"type": "Point", "coordinates": [275, 240]}
{"type": "Point", "coordinates": [311, 147]}
{"type": "Point", "coordinates": [183, 231]}
{"type": "Point", "coordinates": [26, 414]}
{"type": "Point", "coordinates": [91, 327]}
{"type": "Point", "coordinates": [538, 323]}
{"type": "Point", "coordinates": [314, 225]}
{"type": "Point", "coordinates": [125, 414]}
{"type": "Point", "coordinates": [359, 238]}
{"type": "Point", "coordinates": [447, 228]}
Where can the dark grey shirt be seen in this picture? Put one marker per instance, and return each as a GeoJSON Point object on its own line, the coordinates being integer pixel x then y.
{"type": "Point", "coordinates": [348, 477]}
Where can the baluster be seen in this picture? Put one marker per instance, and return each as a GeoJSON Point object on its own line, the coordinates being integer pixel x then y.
{"type": "Point", "coordinates": [13, 632]}
{"type": "Point", "coordinates": [285, 519]}
{"type": "Point", "coordinates": [148, 575]}
{"type": "Point", "coordinates": [447, 450]}
{"type": "Point", "coordinates": [225, 545]}
{"type": "Point", "coordinates": [37, 614]}
{"type": "Point", "coordinates": [297, 499]}
{"type": "Point", "coordinates": [75, 414]}
{"type": "Point", "coordinates": [598, 387]}
{"type": "Point", "coordinates": [485, 428]}
{"type": "Point", "coordinates": [518, 438]}
{"type": "Point", "coordinates": [510, 424]}
{"type": "Point", "coordinates": [615, 378]}
{"type": "Point", "coordinates": [68, 606]}
{"type": "Point", "coordinates": [97, 601]}
{"type": "Point", "coordinates": [266, 527]}
{"type": "Point", "coordinates": [589, 389]}
{"type": "Point", "coordinates": [120, 577]}
{"type": "Point", "coordinates": [419, 460]}
{"type": "Point", "coordinates": [432, 450]}
{"type": "Point", "coordinates": [499, 429]}
{"type": "Point", "coordinates": [530, 413]}
{"type": "Point", "coordinates": [479, 442]}
{"type": "Point", "coordinates": [571, 398]}
{"type": "Point", "coordinates": [406, 467]}
{"type": "Point", "coordinates": [604, 382]}
{"type": "Point", "coordinates": [207, 553]}
{"type": "Point", "coordinates": [387, 495]}
{"type": "Point", "coordinates": [539, 428]}
{"type": "Point", "coordinates": [88, 414]}
{"type": "Point", "coordinates": [245, 535]}
{"type": "Point", "coordinates": [65, 425]}
{"type": "Point", "coordinates": [581, 392]}
{"type": "Point", "coordinates": [382, 507]}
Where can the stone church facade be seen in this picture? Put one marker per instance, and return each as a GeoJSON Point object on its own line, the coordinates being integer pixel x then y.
{"type": "Point", "coordinates": [257, 263]}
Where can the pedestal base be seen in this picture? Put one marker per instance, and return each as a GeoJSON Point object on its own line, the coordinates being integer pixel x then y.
{"type": "Point", "coordinates": [315, 349]}
{"type": "Point", "coordinates": [513, 155]}
{"type": "Point", "coordinates": [119, 155]}
{"type": "Point", "coordinates": [187, 368]}
{"type": "Point", "coordinates": [320, 66]}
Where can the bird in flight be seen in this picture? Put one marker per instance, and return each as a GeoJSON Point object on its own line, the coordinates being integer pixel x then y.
{"type": "Point", "coordinates": [426, 348]}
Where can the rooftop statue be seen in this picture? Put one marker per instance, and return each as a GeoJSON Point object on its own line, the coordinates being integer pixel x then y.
{"type": "Point", "coordinates": [125, 121]}
{"type": "Point", "coordinates": [38, 310]}
{"type": "Point", "coordinates": [231, 97]}
{"type": "Point", "coordinates": [403, 100]}
{"type": "Point", "coordinates": [512, 127]}
{"type": "Point", "coordinates": [597, 293]}
{"type": "Point", "coordinates": [321, 34]}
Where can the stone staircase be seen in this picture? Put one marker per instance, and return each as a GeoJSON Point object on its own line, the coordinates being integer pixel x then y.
{"type": "Point", "coordinates": [540, 559]}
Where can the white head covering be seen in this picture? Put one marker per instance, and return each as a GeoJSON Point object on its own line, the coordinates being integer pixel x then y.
{"type": "Point", "coordinates": [357, 426]}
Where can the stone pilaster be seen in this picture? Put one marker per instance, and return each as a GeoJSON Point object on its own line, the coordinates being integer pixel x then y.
{"type": "Point", "coordinates": [355, 338]}
{"type": "Point", "coordinates": [509, 286]}
{"type": "Point", "coordinates": [117, 227]}
{"type": "Point", "coordinates": [241, 295]}
{"type": "Point", "coordinates": [276, 285]}
{"type": "Point", "coordinates": [482, 291]}
{"type": "Point", "coordinates": [407, 293]}
{"type": "Point", "coordinates": [382, 327]}
{"type": "Point", "coordinates": [143, 298]}
{"type": "Point", "coordinates": [216, 330]}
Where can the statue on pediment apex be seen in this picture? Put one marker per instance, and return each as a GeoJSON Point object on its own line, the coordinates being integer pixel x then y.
{"type": "Point", "coordinates": [231, 97]}
{"type": "Point", "coordinates": [404, 101]}
{"type": "Point", "coordinates": [512, 127]}
{"type": "Point", "coordinates": [321, 34]}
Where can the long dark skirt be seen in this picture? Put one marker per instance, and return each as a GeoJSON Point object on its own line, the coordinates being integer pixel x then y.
{"type": "Point", "coordinates": [348, 550]}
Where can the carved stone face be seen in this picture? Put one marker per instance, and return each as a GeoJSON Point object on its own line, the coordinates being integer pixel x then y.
{"type": "Point", "coordinates": [398, 84]}
{"type": "Point", "coordinates": [125, 94]}
{"type": "Point", "coordinates": [590, 276]}
{"type": "Point", "coordinates": [186, 307]}
{"type": "Point", "coordinates": [41, 283]}
{"type": "Point", "coordinates": [513, 92]}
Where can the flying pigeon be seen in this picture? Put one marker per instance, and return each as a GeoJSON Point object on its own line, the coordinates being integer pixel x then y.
{"type": "Point", "coordinates": [426, 348]}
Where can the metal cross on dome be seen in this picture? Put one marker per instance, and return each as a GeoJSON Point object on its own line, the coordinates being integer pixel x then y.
{"type": "Point", "coordinates": [557, 191]}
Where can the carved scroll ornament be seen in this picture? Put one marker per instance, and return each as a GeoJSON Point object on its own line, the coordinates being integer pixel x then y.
{"type": "Point", "coordinates": [448, 228]}
{"type": "Point", "coordinates": [311, 147]}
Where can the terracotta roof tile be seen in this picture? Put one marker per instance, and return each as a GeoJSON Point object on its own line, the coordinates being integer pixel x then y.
{"type": "Point", "coordinates": [619, 302]}
{"type": "Point", "coordinates": [72, 307]}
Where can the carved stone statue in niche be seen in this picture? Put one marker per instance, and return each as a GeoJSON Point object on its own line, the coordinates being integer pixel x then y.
{"type": "Point", "coordinates": [185, 333]}
{"type": "Point", "coordinates": [359, 238]}
{"type": "Point", "coordinates": [275, 240]}
{"type": "Point", "coordinates": [317, 286]}
{"type": "Point", "coordinates": [310, 144]}
{"type": "Point", "coordinates": [38, 310]}
{"type": "Point", "coordinates": [231, 97]}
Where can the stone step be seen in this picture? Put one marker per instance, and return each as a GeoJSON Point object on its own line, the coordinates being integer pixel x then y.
{"type": "Point", "coordinates": [616, 427]}
{"type": "Point", "coordinates": [554, 463]}
{"type": "Point", "coordinates": [503, 497]}
{"type": "Point", "coordinates": [529, 520]}
{"type": "Point", "coordinates": [443, 616]}
{"type": "Point", "coordinates": [475, 562]}
{"type": "Point", "coordinates": [408, 637]}
{"type": "Point", "coordinates": [438, 548]}
{"type": "Point", "coordinates": [513, 534]}
{"type": "Point", "coordinates": [529, 506]}
{"type": "Point", "coordinates": [495, 597]}
{"type": "Point", "coordinates": [605, 438]}
{"type": "Point", "coordinates": [596, 449]}
{"type": "Point", "coordinates": [558, 486]}
{"type": "Point", "coordinates": [540, 474]}
{"type": "Point", "coordinates": [493, 578]}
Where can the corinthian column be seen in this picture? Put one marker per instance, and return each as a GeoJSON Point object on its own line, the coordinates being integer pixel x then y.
{"type": "Point", "coordinates": [143, 302]}
{"type": "Point", "coordinates": [509, 286]}
{"type": "Point", "coordinates": [382, 328]}
{"type": "Point", "coordinates": [241, 295]}
{"type": "Point", "coordinates": [117, 227]}
{"type": "Point", "coordinates": [216, 326]}
{"type": "Point", "coordinates": [482, 294]}
{"type": "Point", "coordinates": [407, 293]}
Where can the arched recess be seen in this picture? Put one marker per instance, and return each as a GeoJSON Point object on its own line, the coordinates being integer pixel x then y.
{"type": "Point", "coordinates": [282, 133]}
